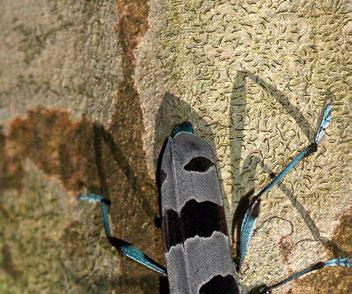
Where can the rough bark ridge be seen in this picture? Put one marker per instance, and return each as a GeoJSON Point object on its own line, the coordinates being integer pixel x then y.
{"type": "Point", "coordinates": [89, 91]}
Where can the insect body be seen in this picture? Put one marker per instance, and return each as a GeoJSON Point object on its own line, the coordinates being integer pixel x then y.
{"type": "Point", "coordinates": [196, 242]}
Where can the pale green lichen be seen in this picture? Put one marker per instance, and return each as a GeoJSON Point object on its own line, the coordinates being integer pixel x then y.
{"type": "Point", "coordinates": [46, 247]}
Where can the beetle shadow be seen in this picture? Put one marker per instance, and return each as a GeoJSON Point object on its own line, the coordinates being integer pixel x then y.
{"type": "Point", "coordinates": [238, 107]}
{"type": "Point", "coordinates": [103, 137]}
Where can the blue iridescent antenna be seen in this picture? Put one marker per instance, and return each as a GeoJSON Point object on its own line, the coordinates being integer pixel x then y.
{"type": "Point", "coordinates": [125, 248]}
{"type": "Point", "coordinates": [250, 217]}
{"type": "Point", "coordinates": [342, 262]}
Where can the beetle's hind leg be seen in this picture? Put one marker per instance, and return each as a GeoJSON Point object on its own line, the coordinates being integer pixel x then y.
{"type": "Point", "coordinates": [122, 246]}
{"type": "Point", "coordinates": [250, 217]}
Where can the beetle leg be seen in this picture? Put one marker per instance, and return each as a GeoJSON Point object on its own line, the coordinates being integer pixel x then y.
{"type": "Point", "coordinates": [122, 246]}
{"type": "Point", "coordinates": [247, 228]}
{"type": "Point", "coordinates": [249, 220]}
{"type": "Point", "coordinates": [342, 262]}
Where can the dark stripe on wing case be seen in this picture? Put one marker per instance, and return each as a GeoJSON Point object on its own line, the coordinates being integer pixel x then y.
{"type": "Point", "coordinates": [200, 219]}
{"type": "Point", "coordinates": [172, 229]}
{"type": "Point", "coordinates": [198, 164]}
{"type": "Point", "coordinates": [220, 285]}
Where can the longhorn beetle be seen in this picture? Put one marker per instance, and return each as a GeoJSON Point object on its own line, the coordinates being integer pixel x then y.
{"type": "Point", "coordinates": [196, 243]}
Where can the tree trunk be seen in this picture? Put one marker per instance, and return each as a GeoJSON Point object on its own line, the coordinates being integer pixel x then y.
{"type": "Point", "coordinates": [89, 91]}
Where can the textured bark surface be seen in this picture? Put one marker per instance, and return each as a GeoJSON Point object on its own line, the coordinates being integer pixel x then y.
{"type": "Point", "coordinates": [88, 93]}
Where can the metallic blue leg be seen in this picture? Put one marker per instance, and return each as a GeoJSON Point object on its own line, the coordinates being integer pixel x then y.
{"type": "Point", "coordinates": [249, 220]}
{"type": "Point", "coordinates": [125, 248]}
{"type": "Point", "coordinates": [342, 262]}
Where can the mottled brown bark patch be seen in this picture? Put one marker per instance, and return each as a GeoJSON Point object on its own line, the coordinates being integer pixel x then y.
{"type": "Point", "coordinates": [59, 146]}
{"type": "Point", "coordinates": [11, 170]}
{"type": "Point", "coordinates": [127, 129]}
{"type": "Point", "coordinates": [286, 246]}
{"type": "Point", "coordinates": [133, 23]}
{"type": "Point", "coordinates": [332, 280]}
{"type": "Point", "coordinates": [86, 156]}
{"type": "Point", "coordinates": [6, 264]}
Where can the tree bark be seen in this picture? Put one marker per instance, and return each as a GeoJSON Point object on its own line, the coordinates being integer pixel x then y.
{"type": "Point", "coordinates": [90, 90]}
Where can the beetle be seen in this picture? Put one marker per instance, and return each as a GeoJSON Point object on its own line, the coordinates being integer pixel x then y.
{"type": "Point", "coordinates": [195, 235]}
